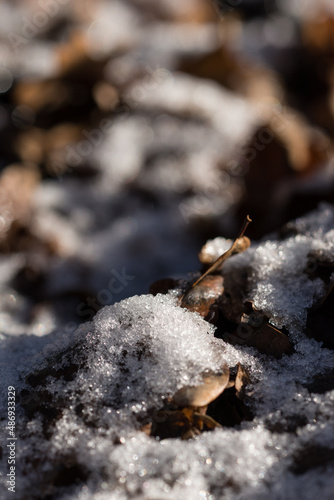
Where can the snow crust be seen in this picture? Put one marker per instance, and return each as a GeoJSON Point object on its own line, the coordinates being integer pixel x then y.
{"type": "Point", "coordinates": [148, 348]}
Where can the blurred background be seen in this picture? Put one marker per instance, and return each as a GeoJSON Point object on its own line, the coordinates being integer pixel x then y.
{"type": "Point", "coordinates": [134, 130]}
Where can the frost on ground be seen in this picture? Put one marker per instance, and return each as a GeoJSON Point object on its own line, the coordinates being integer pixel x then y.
{"type": "Point", "coordinates": [83, 397]}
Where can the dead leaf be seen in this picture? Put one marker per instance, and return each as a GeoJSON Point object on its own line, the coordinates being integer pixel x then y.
{"type": "Point", "coordinates": [203, 394]}
{"type": "Point", "coordinates": [231, 408]}
{"type": "Point", "coordinates": [184, 415]}
{"type": "Point", "coordinates": [241, 380]}
{"type": "Point", "coordinates": [266, 338]}
{"type": "Point", "coordinates": [147, 428]}
{"type": "Point", "coordinates": [204, 296]}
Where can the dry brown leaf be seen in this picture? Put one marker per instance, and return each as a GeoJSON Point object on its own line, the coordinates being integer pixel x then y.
{"type": "Point", "coordinates": [202, 395]}
{"type": "Point", "coordinates": [265, 338]}
{"type": "Point", "coordinates": [147, 428]}
{"type": "Point", "coordinates": [203, 297]}
{"type": "Point", "coordinates": [242, 379]}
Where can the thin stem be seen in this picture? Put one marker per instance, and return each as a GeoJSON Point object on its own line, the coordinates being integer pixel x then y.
{"type": "Point", "coordinates": [217, 263]}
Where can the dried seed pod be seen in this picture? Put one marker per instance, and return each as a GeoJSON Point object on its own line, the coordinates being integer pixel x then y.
{"type": "Point", "coordinates": [211, 251]}
{"type": "Point", "coordinates": [241, 244]}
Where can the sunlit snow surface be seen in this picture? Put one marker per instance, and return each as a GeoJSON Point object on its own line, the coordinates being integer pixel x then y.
{"type": "Point", "coordinates": [141, 350]}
